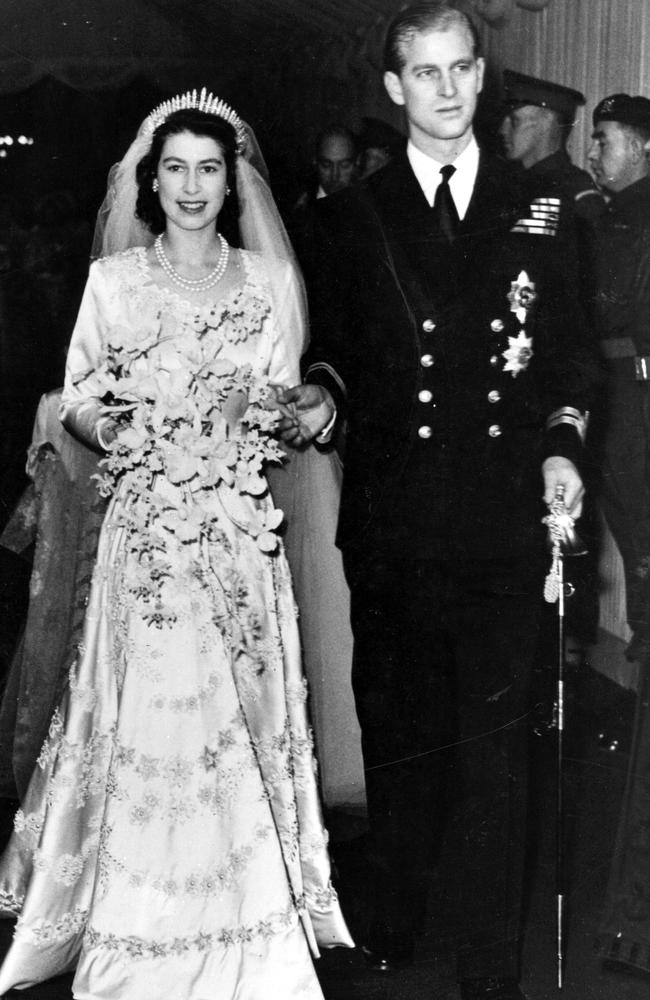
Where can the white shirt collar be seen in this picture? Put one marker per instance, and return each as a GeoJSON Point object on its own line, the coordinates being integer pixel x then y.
{"type": "Point", "coordinates": [321, 193]}
{"type": "Point", "coordinates": [427, 172]}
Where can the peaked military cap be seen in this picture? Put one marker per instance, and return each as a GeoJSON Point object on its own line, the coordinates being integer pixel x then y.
{"type": "Point", "coordinates": [624, 109]}
{"type": "Point", "coordinates": [520, 89]}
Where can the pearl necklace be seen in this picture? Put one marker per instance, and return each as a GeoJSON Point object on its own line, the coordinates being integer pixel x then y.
{"type": "Point", "coordinates": [197, 284]}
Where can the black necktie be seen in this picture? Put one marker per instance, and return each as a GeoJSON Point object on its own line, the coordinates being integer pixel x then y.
{"type": "Point", "coordinates": [444, 208]}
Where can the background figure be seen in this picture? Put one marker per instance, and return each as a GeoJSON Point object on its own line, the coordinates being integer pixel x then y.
{"type": "Point", "coordinates": [335, 161]}
{"type": "Point", "coordinates": [184, 719]}
{"type": "Point", "coordinates": [536, 128]}
{"type": "Point", "coordinates": [619, 159]}
{"type": "Point", "coordinates": [622, 306]}
{"type": "Point", "coordinates": [334, 168]}
{"type": "Point", "coordinates": [378, 143]}
{"type": "Point", "coordinates": [42, 273]}
{"type": "Point", "coordinates": [443, 329]}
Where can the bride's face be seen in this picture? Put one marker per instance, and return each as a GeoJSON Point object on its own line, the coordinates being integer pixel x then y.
{"type": "Point", "coordinates": [192, 180]}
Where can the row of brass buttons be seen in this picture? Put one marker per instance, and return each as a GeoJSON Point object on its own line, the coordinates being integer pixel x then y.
{"type": "Point", "coordinates": [494, 396]}
{"type": "Point", "coordinates": [426, 396]}
{"type": "Point", "coordinates": [425, 432]}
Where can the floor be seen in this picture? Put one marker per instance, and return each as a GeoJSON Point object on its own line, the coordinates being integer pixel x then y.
{"type": "Point", "coordinates": [598, 712]}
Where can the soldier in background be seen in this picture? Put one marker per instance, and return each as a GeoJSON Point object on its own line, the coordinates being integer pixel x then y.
{"type": "Point", "coordinates": [535, 131]}
{"type": "Point", "coordinates": [622, 307]}
{"type": "Point", "coordinates": [619, 159]}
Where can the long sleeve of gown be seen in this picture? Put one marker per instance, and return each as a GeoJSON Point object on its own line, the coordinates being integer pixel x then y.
{"type": "Point", "coordinates": [290, 329]}
{"type": "Point", "coordinates": [81, 408]}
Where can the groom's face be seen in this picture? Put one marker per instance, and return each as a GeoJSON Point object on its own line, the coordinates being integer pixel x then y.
{"type": "Point", "coordinates": [439, 83]}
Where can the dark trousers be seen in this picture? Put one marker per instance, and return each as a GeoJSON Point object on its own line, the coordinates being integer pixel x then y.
{"type": "Point", "coordinates": [443, 660]}
{"type": "Point", "coordinates": [626, 490]}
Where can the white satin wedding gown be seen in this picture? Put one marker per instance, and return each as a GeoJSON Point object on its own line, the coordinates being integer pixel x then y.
{"type": "Point", "coordinates": [171, 846]}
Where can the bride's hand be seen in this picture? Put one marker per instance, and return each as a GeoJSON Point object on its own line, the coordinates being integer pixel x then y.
{"type": "Point", "coordinates": [273, 402]}
{"type": "Point", "coordinates": [109, 424]}
{"type": "Point", "coordinates": [306, 410]}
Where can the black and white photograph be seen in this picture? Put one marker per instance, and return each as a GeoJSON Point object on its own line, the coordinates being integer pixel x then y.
{"type": "Point", "coordinates": [325, 500]}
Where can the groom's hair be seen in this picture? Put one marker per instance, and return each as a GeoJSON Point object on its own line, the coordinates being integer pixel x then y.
{"type": "Point", "coordinates": [420, 18]}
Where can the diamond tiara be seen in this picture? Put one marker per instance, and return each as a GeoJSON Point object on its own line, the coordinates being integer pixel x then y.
{"type": "Point", "coordinates": [198, 102]}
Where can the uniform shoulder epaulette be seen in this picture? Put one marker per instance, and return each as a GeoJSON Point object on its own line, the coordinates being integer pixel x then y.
{"type": "Point", "coordinates": [543, 218]}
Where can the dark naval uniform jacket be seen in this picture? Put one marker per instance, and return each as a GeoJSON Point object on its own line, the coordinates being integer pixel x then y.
{"type": "Point", "coordinates": [556, 176]}
{"type": "Point", "coordinates": [623, 274]}
{"type": "Point", "coordinates": [458, 369]}
{"type": "Point", "coordinates": [622, 431]}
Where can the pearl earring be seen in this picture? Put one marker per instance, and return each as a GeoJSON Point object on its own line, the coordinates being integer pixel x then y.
{"type": "Point", "coordinates": [227, 191]}
{"type": "Point", "coordinates": [155, 184]}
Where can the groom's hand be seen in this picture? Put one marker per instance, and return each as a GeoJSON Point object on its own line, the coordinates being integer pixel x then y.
{"type": "Point", "coordinates": [306, 410]}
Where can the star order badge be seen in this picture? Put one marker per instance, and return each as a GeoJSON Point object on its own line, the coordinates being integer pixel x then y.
{"type": "Point", "coordinates": [521, 296]}
{"type": "Point", "coordinates": [519, 353]}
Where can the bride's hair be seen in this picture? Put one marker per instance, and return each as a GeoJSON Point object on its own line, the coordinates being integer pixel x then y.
{"type": "Point", "coordinates": [148, 208]}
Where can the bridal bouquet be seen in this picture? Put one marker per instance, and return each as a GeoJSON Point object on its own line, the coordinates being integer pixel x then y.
{"type": "Point", "coordinates": [185, 415]}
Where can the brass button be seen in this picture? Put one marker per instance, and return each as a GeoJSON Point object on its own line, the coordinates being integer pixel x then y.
{"type": "Point", "coordinates": [424, 432]}
{"type": "Point", "coordinates": [426, 360]}
{"type": "Point", "coordinates": [494, 396]}
{"type": "Point", "coordinates": [428, 326]}
{"type": "Point", "coordinates": [496, 326]}
{"type": "Point", "coordinates": [494, 360]}
{"type": "Point", "coordinates": [425, 395]}
{"type": "Point", "coordinates": [494, 430]}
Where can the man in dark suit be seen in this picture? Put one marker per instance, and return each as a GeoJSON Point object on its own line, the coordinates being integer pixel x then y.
{"type": "Point", "coordinates": [334, 168]}
{"type": "Point", "coordinates": [443, 331]}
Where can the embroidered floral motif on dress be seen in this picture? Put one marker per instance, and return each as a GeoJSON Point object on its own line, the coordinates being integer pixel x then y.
{"type": "Point", "coordinates": [29, 827]}
{"type": "Point", "coordinates": [195, 882]}
{"type": "Point", "coordinates": [136, 947]}
{"type": "Point", "coordinates": [80, 765]}
{"type": "Point", "coordinates": [45, 932]}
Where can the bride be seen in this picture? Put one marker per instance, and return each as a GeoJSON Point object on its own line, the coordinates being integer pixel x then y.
{"type": "Point", "coordinates": [170, 846]}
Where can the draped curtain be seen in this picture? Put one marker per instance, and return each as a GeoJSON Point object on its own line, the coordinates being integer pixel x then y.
{"type": "Point", "coordinates": [600, 47]}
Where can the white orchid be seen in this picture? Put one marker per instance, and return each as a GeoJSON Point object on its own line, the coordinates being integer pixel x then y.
{"type": "Point", "coordinates": [194, 418]}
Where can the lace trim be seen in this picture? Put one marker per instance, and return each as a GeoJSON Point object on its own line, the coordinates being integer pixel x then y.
{"type": "Point", "coordinates": [136, 947]}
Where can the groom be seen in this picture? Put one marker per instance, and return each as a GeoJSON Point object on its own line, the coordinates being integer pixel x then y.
{"type": "Point", "coordinates": [444, 333]}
